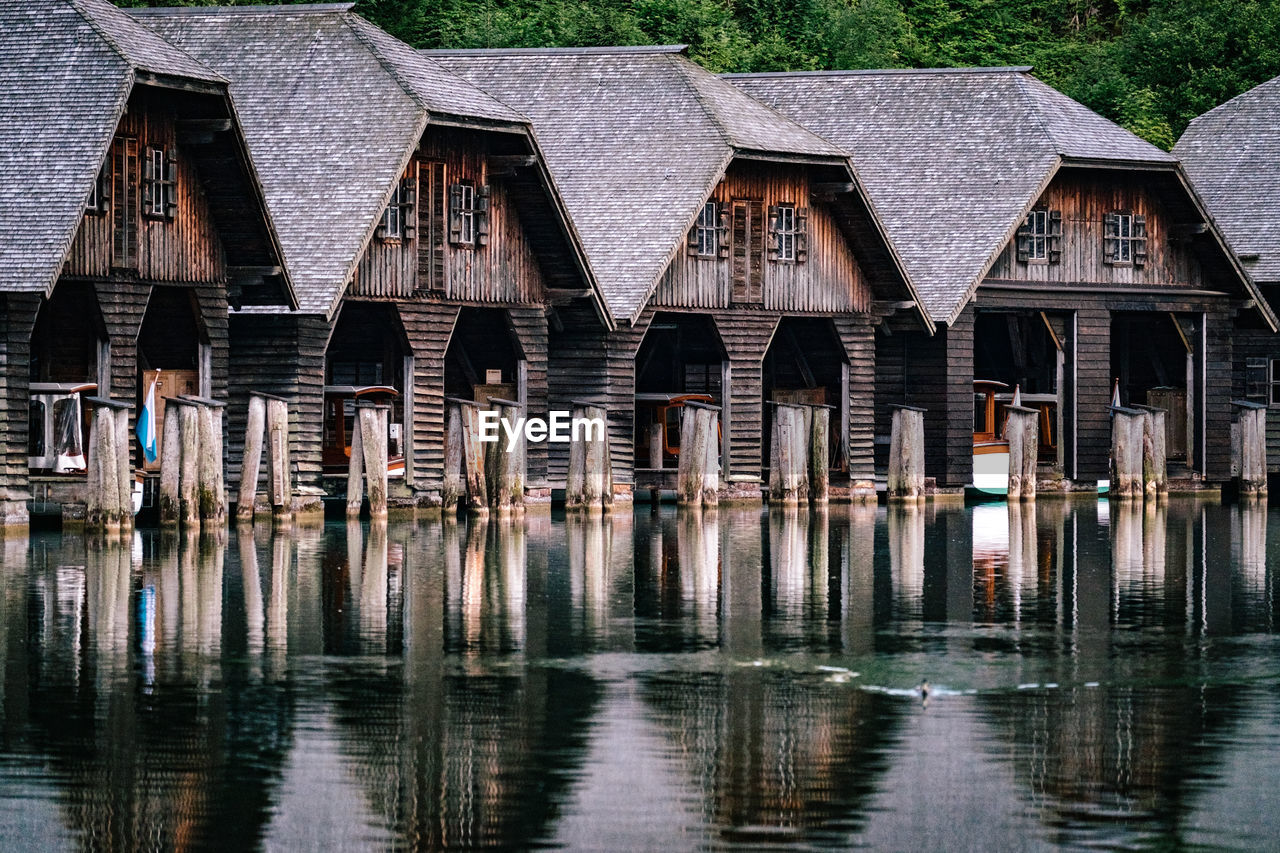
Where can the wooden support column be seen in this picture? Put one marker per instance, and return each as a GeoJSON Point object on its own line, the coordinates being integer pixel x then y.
{"type": "Point", "coordinates": [709, 423]}
{"type": "Point", "coordinates": [467, 455]}
{"type": "Point", "coordinates": [106, 507]}
{"type": "Point", "coordinates": [1251, 449]}
{"type": "Point", "coordinates": [819, 438]}
{"type": "Point", "coordinates": [452, 489]}
{"type": "Point", "coordinates": [788, 466]}
{"type": "Point", "coordinates": [508, 473]}
{"type": "Point", "coordinates": [698, 474]}
{"type": "Point", "coordinates": [279, 466]}
{"type": "Point", "coordinates": [374, 419]}
{"type": "Point", "coordinates": [212, 488]}
{"type": "Point", "coordinates": [124, 466]}
{"type": "Point", "coordinates": [589, 485]}
{"type": "Point", "coordinates": [355, 471]}
{"type": "Point", "coordinates": [1022, 431]}
{"type": "Point", "coordinates": [171, 466]}
{"type": "Point", "coordinates": [906, 454]}
{"type": "Point", "coordinates": [1155, 466]}
{"type": "Point", "coordinates": [253, 439]}
{"type": "Point", "coordinates": [1127, 430]}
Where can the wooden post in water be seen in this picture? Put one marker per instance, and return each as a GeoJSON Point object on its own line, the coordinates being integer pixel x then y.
{"type": "Point", "coordinates": [819, 440]}
{"type": "Point", "coordinates": [189, 463]}
{"type": "Point", "coordinates": [1022, 431]}
{"type": "Point", "coordinates": [355, 471]}
{"type": "Point", "coordinates": [1155, 466]}
{"type": "Point", "coordinates": [104, 508]}
{"type": "Point", "coordinates": [373, 419]}
{"type": "Point", "coordinates": [452, 491]}
{"type": "Point", "coordinates": [1251, 419]}
{"type": "Point", "coordinates": [710, 423]}
{"type": "Point", "coordinates": [171, 466]}
{"type": "Point", "coordinates": [1127, 429]}
{"type": "Point", "coordinates": [508, 474]}
{"type": "Point", "coordinates": [906, 454]}
{"type": "Point", "coordinates": [469, 455]}
{"type": "Point", "coordinates": [590, 482]}
{"type": "Point", "coordinates": [279, 485]}
{"type": "Point", "coordinates": [698, 473]}
{"type": "Point", "coordinates": [212, 489]}
{"type": "Point", "coordinates": [788, 454]}
{"type": "Point", "coordinates": [254, 433]}
{"type": "Point", "coordinates": [124, 466]}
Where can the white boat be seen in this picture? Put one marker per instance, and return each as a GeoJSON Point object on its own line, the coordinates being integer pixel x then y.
{"type": "Point", "coordinates": [990, 450]}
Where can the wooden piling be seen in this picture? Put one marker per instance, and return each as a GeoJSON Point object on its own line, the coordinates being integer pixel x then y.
{"type": "Point", "coordinates": [124, 467]}
{"type": "Point", "coordinates": [698, 472]}
{"type": "Point", "coordinates": [906, 454]}
{"type": "Point", "coordinates": [171, 466]}
{"type": "Point", "coordinates": [1155, 467]}
{"type": "Point", "coordinates": [452, 490]}
{"type": "Point", "coordinates": [1251, 449]}
{"type": "Point", "coordinates": [212, 489]}
{"type": "Point", "coordinates": [710, 425]}
{"type": "Point", "coordinates": [788, 441]}
{"type": "Point", "coordinates": [471, 453]}
{"type": "Point", "coordinates": [253, 440]}
{"type": "Point", "coordinates": [589, 485]}
{"type": "Point", "coordinates": [279, 485]}
{"type": "Point", "coordinates": [1022, 431]}
{"type": "Point", "coordinates": [373, 419]}
{"type": "Point", "coordinates": [104, 509]}
{"type": "Point", "coordinates": [507, 478]}
{"type": "Point", "coordinates": [189, 465]}
{"type": "Point", "coordinates": [355, 471]}
{"type": "Point", "coordinates": [1127, 429]}
{"type": "Point", "coordinates": [819, 439]}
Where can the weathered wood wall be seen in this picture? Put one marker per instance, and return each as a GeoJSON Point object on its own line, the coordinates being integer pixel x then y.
{"type": "Point", "coordinates": [828, 280]}
{"type": "Point", "coordinates": [186, 249]}
{"type": "Point", "coordinates": [1253, 349]}
{"type": "Point", "coordinates": [1084, 201]}
{"type": "Point", "coordinates": [17, 319]}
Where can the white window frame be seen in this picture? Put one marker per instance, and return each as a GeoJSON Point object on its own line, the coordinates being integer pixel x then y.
{"type": "Point", "coordinates": [467, 214]}
{"type": "Point", "coordinates": [786, 232]}
{"type": "Point", "coordinates": [708, 231]}
{"type": "Point", "coordinates": [1038, 236]}
{"type": "Point", "coordinates": [393, 217]}
{"type": "Point", "coordinates": [1273, 382]}
{"type": "Point", "coordinates": [1123, 238]}
{"type": "Point", "coordinates": [158, 206]}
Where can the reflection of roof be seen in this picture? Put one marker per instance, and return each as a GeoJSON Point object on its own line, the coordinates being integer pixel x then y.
{"type": "Point", "coordinates": [668, 399]}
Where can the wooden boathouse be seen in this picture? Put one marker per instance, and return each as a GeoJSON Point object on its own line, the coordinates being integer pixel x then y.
{"type": "Point", "coordinates": [737, 253]}
{"type": "Point", "coordinates": [133, 225]}
{"type": "Point", "coordinates": [1232, 155]}
{"type": "Point", "coordinates": [1061, 256]}
{"type": "Point", "coordinates": [420, 227]}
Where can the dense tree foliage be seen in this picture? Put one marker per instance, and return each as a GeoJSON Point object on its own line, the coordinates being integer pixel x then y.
{"type": "Point", "coordinates": [1151, 65]}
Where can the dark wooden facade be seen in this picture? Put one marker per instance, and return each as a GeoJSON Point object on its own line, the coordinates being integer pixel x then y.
{"type": "Point", "coordinates": [429, 311]}
{"type": "Point", "coordinates": [1159, 326]}
{"type": "Point", "coordinates": [728, 318]}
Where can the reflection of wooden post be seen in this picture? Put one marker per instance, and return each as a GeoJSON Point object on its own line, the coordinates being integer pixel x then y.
{"type": "Point", "coordinates": [355, 470]}
{"type": "Point", "coordinates": [212, 490]}
{"type": "Point", "coordinates": [906, 455]}
{"type": "Point", "coordinates": [1022, 431]}
{"type": "Point", "coordinates": [170, 466]}
{"type": "Point", "coordinates": [508, 476]}
{"type": "Point", "coordinates": [1251, 449]}
{"type": "Point", "coordinates": [819, 439]}
{"type": "Point", "coordinates": [253, 436]}
{"type": "Point", "coordinates": [279, 489]}
{"type": "Point", "coordinates": [103, 507]}
{"type": "Point", "coordinates": [373, 419]}
{"type": "Point", "coordinates": [1127, 430]}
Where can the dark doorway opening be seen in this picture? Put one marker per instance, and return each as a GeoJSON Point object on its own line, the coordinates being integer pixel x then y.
{"type": "Point", "coordinates": [680, 359]}
{"type": "Point", "coordinates": [806, 363]}
{"type": "Point", "coordinates": [1153, 364]}
{"type": "Point", "coordinates": [1026, 351]}
{"type": "Point", "coordinates": [483, 360]}
{"type": "Point", "coordinates": [368, 349]}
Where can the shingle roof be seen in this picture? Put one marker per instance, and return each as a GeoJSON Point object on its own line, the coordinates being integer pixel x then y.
{"type": "Point", "coordinates": [636, 139]}
{"type": "Point", "coordinates": [304, 79]}
{"type": "Point", "coordinates": [66, 70]}
{"type": "Point", "coordinates": [952, 158]}
{"type": "Point", "coordinates": [1232, 154]}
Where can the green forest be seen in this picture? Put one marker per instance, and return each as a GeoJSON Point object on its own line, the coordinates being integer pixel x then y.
{"type": "Point", "coordinates": [1151, 65]}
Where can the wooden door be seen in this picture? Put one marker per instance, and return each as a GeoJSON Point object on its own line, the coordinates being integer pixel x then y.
{"type": "Point", "coordinates": [748, 251]}
{"type": "Point", "coordinates": [169, 383]}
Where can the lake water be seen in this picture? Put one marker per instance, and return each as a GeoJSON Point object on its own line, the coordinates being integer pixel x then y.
{"type": "Point", "coordinates": [1099, 677]}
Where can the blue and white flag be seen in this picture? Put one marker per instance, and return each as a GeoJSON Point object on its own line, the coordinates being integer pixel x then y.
{"type": "Point", "coordinates": [147, 422]}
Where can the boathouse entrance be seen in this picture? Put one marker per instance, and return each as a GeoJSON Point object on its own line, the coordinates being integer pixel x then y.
{"type": "Point", "coordinates": [1027, 351]}
{"type": "Point", "coordinates": [1154, 363]}
{"type": "Point", "coordinates": [174, 355]}
{"type": "Point", "coordinates": [806, 364]}
{"type": "Point", "coordinates": [484, 359]}
{"type": "Point", "coordinates": [368, 356]}
{"type": "Point", "coordinates": [681, 359]}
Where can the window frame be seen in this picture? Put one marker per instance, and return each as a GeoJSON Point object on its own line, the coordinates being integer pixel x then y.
{"type": "Point", "coordinates": [1038, 236]}
{"type": "Point", "coordinates": [466, 213]}
{"type": "Point", "coordinates": [707, 231]}
{"type": "Point", "coordinates": [391, 229]}
{"type": "Point", "coordinates": [1273, 382]}
{"type": "Point", "coordinates": [785, 234]}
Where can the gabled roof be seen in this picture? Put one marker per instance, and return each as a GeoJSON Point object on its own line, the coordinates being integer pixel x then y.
{"type": "Point", "coordinates": [332, 110]}
{"type": "Point", "coordinates": [1232, 155]}
{"type": "Point", "coordinates": [636, 138]}
{"type": "Point", "coordinates": [953, 158]}
{"type": "Point", "coordinates": [67, 68]}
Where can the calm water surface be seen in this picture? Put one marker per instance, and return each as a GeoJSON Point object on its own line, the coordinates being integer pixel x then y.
{"type": "Point", "coordinates": [1100, 678]}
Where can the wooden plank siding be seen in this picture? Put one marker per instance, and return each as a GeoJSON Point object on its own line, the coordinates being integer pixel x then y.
{"type": "Point", "coordinates": [428, 325]}
{"type": "Point", "coordinates": [17, 319]}
{"type": "Point", "coordinates": [529, 326]}
{"type": "Point", "coordinates": [745, 336]}
{"type": "Point", "coordinates": [1084, 200]}
{"type": "Point", "coordinates": [858, 336]}
{"type": "Point", "coordinates": [828, 280]}
{"type": "Point", "coordinates": [1250, 344]}
{"type": "Point", "coordinates": [186, 249]}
